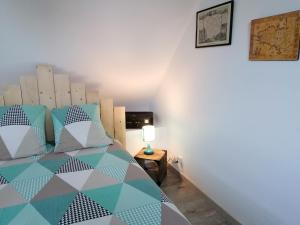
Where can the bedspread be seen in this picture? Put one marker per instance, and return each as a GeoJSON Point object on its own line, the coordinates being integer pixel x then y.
{"type": "Point", "coordinates": [90, 186]}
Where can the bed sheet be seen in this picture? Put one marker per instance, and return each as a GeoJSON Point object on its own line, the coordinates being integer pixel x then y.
{"type": "Point", "coordinates": [90, 186]}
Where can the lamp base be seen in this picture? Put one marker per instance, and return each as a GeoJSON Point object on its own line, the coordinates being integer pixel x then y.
{"type": "Point", "coordinates": [148, 150]}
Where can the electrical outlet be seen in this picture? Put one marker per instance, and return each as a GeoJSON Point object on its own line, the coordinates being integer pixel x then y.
{"type": "Point", "coordinates": [180, 159]}
{"type": "Point", "coordinates": [172, 159]}
{"type": "Point", "coordinates": [175, 159]}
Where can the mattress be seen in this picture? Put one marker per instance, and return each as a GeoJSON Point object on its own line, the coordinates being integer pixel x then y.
{"type": "Point", "coordinates": [90, 186]}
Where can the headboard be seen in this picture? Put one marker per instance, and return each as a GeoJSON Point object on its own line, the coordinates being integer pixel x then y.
{"type": "Point", "coordinates": [56, 90]}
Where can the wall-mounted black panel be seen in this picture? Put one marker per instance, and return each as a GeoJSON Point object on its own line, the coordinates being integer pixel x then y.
{"type": "Point", "coordinates": [136, 120]}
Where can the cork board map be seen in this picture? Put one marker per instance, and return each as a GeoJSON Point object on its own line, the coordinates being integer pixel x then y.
{"type": "Point", "coordinates": [275, 37]}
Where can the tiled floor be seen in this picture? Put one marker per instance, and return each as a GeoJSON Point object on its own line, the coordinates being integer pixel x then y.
{"type": "Point", "coordinates": [192, 202]}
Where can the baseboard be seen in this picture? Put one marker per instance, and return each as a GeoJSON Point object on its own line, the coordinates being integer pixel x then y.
{"type": "Point", "coordinates": [228, 217]}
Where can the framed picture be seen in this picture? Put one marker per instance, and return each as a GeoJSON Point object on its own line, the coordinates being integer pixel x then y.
{"type": "Point", "coordinates": [275, 38]}
{"type": "Point", "coordinates": [214, 26]}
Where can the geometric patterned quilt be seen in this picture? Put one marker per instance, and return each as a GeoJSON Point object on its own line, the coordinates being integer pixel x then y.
{"type": "Point", "coordinates": [87, 187]}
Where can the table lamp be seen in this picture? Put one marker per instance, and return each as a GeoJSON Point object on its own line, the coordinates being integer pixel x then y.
{"type": "Point", "coordinates": [148, 136]}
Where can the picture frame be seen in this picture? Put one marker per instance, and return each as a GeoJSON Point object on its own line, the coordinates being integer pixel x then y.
{"type": "Point", "coordinates": [275, 38]}
{"type": "Point", "coordinates": [214, 25]}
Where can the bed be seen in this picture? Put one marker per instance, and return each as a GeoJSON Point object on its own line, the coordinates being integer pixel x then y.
{"type": "Point", "coordinates": [86, 177]}
{"type": "Point", "coordinates": [90, 186]}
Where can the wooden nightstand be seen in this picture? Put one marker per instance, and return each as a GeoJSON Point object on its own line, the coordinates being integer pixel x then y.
{"type": "Point", "coordinates": [155, 165]}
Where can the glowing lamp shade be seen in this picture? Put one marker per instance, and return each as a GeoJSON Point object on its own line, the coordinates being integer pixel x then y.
{"type": "Point", "coordinates": [148, 133]}
{"type": "Point", "coordinates": [148, 136]}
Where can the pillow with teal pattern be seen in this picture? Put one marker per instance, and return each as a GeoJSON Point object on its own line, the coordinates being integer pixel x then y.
{"type": "Point", "coordinates": [22, 131]}
{"type": "Point", "coordinates": [77, 127]}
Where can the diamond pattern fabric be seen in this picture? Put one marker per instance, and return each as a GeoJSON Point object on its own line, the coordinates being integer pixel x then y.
{"type": "Point", "coordinates": [77, 127]}
{"type": "Point", "coordinates": [76, 114]}
{"type": "Point", "coordinates": [73, 165]}
{"type": "Point", "coordinates": [149, 214]}
{"type": "Point", "coordinates": [90, 186]}
{"type": "Point", "coordinates": [3, 180]}
{"type": "Point", "coordinates": [82, 209]}
{"type": "Point", "coordinates": [22, 131]}
{"type": "Point", "coordinates": [30, 187]}
{"type": "Point", "coordinates": [15, 116]}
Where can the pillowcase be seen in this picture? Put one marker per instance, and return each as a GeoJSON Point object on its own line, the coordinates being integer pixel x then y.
{"type": "Point", "coordinates": [77, 127]}
{"type": "Point", "coordinates": [22, 131]}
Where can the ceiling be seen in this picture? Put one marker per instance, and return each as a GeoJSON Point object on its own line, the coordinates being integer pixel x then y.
{"type": "Point", "coordinates": [122, 48]}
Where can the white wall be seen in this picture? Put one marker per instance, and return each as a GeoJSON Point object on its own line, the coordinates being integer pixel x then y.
{"type": "Point", "coordinates": [120, 47]}
{"type": "Point", "coordinates": [235, 122]}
